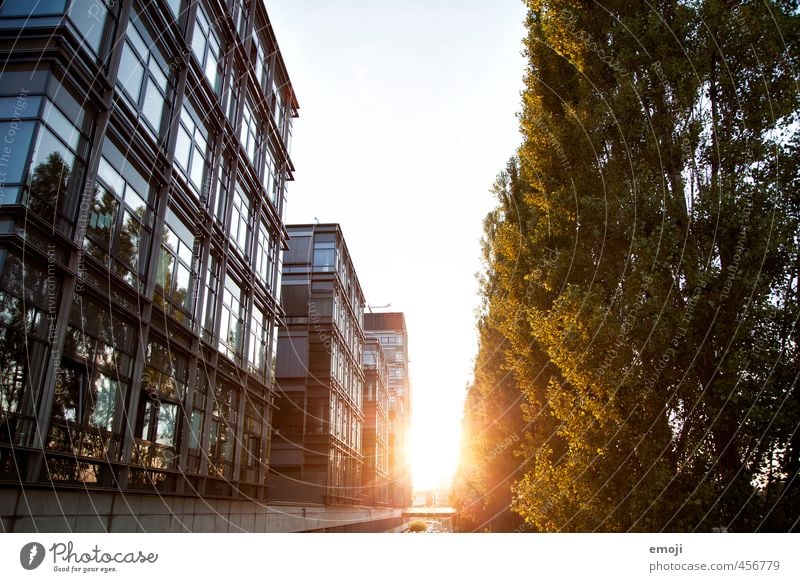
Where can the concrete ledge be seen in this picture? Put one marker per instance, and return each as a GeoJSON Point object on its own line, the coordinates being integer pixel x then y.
{"type": "Point", "coordinates": [48, 511]}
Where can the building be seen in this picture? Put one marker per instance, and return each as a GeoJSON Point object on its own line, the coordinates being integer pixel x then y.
{"type": "Point", "coordinates": [390, 330]}
{"type": "Point", "coordinates": [376, 425]}
{"type": "Point", "coordinates": [316, 445]}
{"type": "Point", "coordinates": [143, 165]}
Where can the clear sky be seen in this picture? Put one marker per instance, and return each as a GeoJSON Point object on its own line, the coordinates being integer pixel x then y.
{"type": "Point", "coordinates": [407, 113]}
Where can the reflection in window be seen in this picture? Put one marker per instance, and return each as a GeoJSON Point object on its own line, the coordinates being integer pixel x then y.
{"type": "Point", "coordinates": [118, 225]}
{"type": "Point", "coordinates": [175, 278]}
{"type": "Point", "coordinates": [196, 411]}
{"type": "Point", "coordinates": [191, 148]}
{"type": "Point", "coordinates": [257, 346]}
{"type": "Point", "coordinates": [222, 433]}
{"type": "Point", "coordinates": [92, 376]}
{"type": "Point", "coordinates": [24, 329]}
{"type": "Point", "coordinates": [55, 177]}
{"type": "Point", "coordinates": [253, 425]}
{"type": "Point", "coordinates": [84, 401]}
{"type": "Point", "coordinates": [206, 47]}
{"type": "Point", "coordinates": [231, 323]}
{"type": "Point", "coordinates": [143, 75]}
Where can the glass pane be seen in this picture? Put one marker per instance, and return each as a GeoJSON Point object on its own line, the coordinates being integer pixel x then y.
{"type": "Point", "coordinates": [103, 402]}
{"type": "Point", "coordinates": [182, 288]}
{"type": "Point", "coordinates": [146, 418]}
{"type": "Point", "coordinates": [175, 6]}
{"type": "Point", "coordinates": [135, 201]}
{"type": "Point", "coordinates": [158, 75]}
{"type": "Point", "coordinates": [52, 166]}
{"type": "Point", "coordinates": [62, 127]}
{"type": "Point", "coordinates": [199, 39]}
{"type": "Point", "coordinates": [165, 264]}
{"type": "Point", "coordinates": [195, 424]}
{"type": "Point", "coordinates": [198, 167]}
{"type": "Point", "coordinates": [185, 253]}
{"type": "Point", "coordinates": [14, 155]}
{"type": "Point", "coordinates": [166, 429]}
{"type": "Point", "coordinates": [128, 250]}
{"type": "Point", "coordinates": [19, 107]}
{"type": "Point", "coordinates": [111, 177]}
{"type": "Point", "coordinates": [102, 218]}
{"type": "Point", "coordinates": [153, 105]}
{"type": "Point", "coordinates": [183, 148]}
{"type": "Point", "coordinates": [28, 8]}
{"type": "Point", "coordinates": [211, 71]}
{"type": "Point", "coordinates": [69, 388]}
{"type": "Point", "coordinates": [139, 45]}
{"type": "Point", "coordinates": [90, 19]}
{"type": "Point", "coordinates": [131, 73]}
{"type": "Point", "coordinates": [170, 240]}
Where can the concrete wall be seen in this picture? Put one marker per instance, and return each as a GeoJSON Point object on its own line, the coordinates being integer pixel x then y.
{"type": "Point", "coordinates": [48, 511]}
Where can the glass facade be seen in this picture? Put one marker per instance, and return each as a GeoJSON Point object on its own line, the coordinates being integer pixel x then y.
{"type": "Point", "coordinates": [140, 245]}
{"type": "Point", "coordinates": [319, 418]}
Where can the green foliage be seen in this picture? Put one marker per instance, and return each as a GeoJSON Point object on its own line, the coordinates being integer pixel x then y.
{"type": "Point", "coordinates": [641, 286]}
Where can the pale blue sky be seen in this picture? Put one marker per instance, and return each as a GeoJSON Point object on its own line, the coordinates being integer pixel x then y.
{"type": "Point", "coordinates": [407, 114]}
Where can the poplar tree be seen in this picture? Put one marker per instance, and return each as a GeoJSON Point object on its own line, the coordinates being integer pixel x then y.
{"type": "Point", "coordinates": [649, 318]}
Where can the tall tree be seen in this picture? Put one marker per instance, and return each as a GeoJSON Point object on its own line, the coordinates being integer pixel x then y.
{"type": "Point", "coordinates": [659, 254]}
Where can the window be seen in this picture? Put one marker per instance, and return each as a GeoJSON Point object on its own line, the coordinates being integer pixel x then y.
{"type": "Point", "coordinates": [240, 219]}
{"type": "Point", "coordinates": [191, 148]}
{"type": "Point", "coordinates": [209, 310]}
{"type": "Point", "coordinates": [14, 128]}
{"type": "Point", "coordinates": [92, 21]}
{"type": "Point", "coordinates": [25, 8]}
{"type": "Point", "coordinates": [175, 279]}
{"type": "Point", "coordinates": [197, 409]}
{"type": "Point", "coordinates": [158, 420]}
{"type": "Point", "coordinates": [277, 103]}
{"type": "Point", "coordinates": [257, 352]}
{"type": "Point", "coordinates": [265, 256]}
{"type": "Point", "coordinates": [143, 75]}
{"type": "Point", "coordinates": [83, 399]}
{"type": "Point", "coordinates": [324, 256]}
{"type": "Point", "coordinates": [240, 17]}
{"type": "Point", "coordinates": [222, 434]}
{"type": "Point", "coordinates": [223, 186]}
{"type": "Point", "coordinates": [57, 133]}
{"type": "Point", "coordinates": [231, 95]}
{"type": "Point", "coordinates": [24, 330]}
{"type": "Point", "coordinates": [118, 229]}
{"type": "Point", "coordinates": [176, 6]}
{"type": "Point", "coordinates": [231, 325]}
{"type": "Point", "coordinates": [253, 426]}
{"type": "Point", "coordinates": [262, 62]}
{"type": "Point", "coordinates": [206, 48]}
{"type": "Point", "coordinates": [93, 375]}
{"type": "Point", "coordinates": [268, 177]}
{"type": "Point", "coordinates": [249, 134]}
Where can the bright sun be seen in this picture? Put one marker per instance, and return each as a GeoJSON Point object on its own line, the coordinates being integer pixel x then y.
{"type": "Point", "coordinates": [434, 451]}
